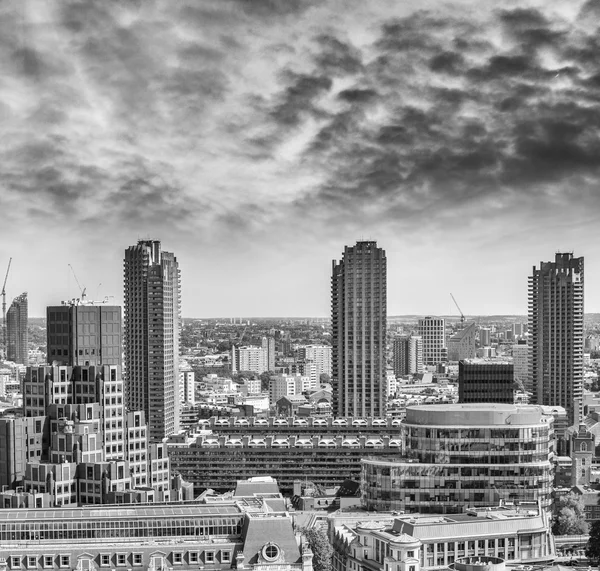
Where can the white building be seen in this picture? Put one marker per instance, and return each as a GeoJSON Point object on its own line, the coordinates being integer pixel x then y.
{"type": "Point", "coordinates": [249, 358]}
{"type": "Point", "coordinates": [320, 355]}
{"type": "Point", "coordinates": [187, 390]}
{"type": "Point", "coordinates": [521, 363]}
{"type": "Point", "coordinates": [289, 385]}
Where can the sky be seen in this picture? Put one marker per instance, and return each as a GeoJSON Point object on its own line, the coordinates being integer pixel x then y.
{"type": "Point", "coordinates": [256, 138]}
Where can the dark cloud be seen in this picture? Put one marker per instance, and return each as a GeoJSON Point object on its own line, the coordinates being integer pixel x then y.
{"type": "Point", "coordinates": [357, 95]}
{"type": "Point", "coordinates": [270, 8]}
{"type": "Point", "coordinates": [298, 99]}
{"type": "Point", "coordinates": [336, 57]}
{"type": "Point", "coordinates": [447, 62]}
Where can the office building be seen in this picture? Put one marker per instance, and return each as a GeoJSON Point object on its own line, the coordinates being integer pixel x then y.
{"type": "Point", "coordinates": [520, 354]}
{"type": "Point", "coordinates": [251, 533]}
{"type": "Point", "coordinates": [482, 539]}
{"type": "Point", "coordinates": [84, 333]}
{"type": "Point", "coordinates": [485, 336]}
{"type": "Point", "coordinates": [288, 385]}
{"type": "Point", "coordinates": [556, 333]}
{"type": "Point", "coordinates": [464, 455]}
{"type": "Point", "coordinates": [461, 345]}
{"type": "Point", "coordinates": [16, 331]}
{"type": "Point", "coordinates": [152, 324]}
{"type": "Point", "coordinates": [268, 343]}
{"type": "Point", "coordinates": [407, 355]}
{"type": "Point", "coordinates": [433, 332]}
{"type": "Point", "coordinates": [359, 322]}
{"type": "Point", "coordinates": [249, 359]}
{"type": "Point", "coordinates": [481, 380]}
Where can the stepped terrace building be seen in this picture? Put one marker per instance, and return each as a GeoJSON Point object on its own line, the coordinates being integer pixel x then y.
{"type": "Point", "coordinates": [464, 455]}
{"type": "Point", "coordinates": [324, 451]}
{"type": "Point", "coordinates": [154, 538]}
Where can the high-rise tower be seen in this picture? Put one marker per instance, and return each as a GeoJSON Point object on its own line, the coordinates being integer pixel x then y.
{"type": "Point", "coordinates": [433, 332]}
{"type": "Point", "coordinates": [16, 331]}
{"type": "Point", "coordinates": [556, 327]}
{"type": "Point", "coordinates": [152, 317]}
{"type": "Point", "coordinates": [358, 318]}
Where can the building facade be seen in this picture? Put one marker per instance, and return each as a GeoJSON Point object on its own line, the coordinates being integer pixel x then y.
{"type": "Point", "coordinates": [17, 337]}
{"type": "Point", "coordinates": [462, 344]}
{"type": "Point", "coordinates": [407, 355]}
{"type": "Point", "coordinates": [320, 357]}
{"type": "Point", "coordinates": [268, 343]}
{"type": "Point", "coordinates": [481, 380]}
{"type": "Point", "coordinates": [433, 332]}
{"type": "Point", "coordinates": [520, 354]}
{"type": "Point", "coordinates": [359, 324]}
{"type": "Point", "coordinates": [152, 324]}
{"type": "Point", "coordinates": [556, 333]}
{"type": "Point", "coordinates": [249, 358]}
{"type": "Point", "coordinates": [464, 455]}
{"type": "Point", "coordinates": [84, 334]}
{"type": "Point", "coordinates": [486, 537]}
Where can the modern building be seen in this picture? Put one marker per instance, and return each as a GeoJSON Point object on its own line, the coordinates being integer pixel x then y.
{"type": "Point", "coordinates": [485, 336]}
{"type": "Point", "coordinates": [288, 385]}
{"type": "Point", "coordinates": [268, 343]}
{"type": "Point", "coordinates": [433, 332]}
{"type": "Point", "coordinates": [464, 455]}
{"type": "Point", "coordinates": [16, 331]}
{"type": "Point", "coordinates": [407, 355]}
{"type": "Point", "coordinates": [249, 359]}
{"type": "Point", "coordinates": [556, 333]}
{"type": "Point", "coordinates": [482, 380]}
{"type": "Point", "coordinates": [359, 322]}
{"type": "Point", "coordinates": [462, 344]}
{"type": "Point", "coordinates": [152, 324]}
{"type": "Point", "coordinates": [84, 333]}
{"type": "Point", "coordinates": [481, 539]}
{"type": "Point", "coordinates": [188, 536]}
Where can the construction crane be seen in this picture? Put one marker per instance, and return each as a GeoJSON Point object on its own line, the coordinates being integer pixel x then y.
{"type": "Point", "coordinates": [82, 290]}
{"type": "Point", "coordinates": [4, 302]}
{"type": "Point", "coordinates": [462, 317]}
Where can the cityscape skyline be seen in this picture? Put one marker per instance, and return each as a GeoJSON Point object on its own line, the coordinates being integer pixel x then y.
{"type": "Point", "coordinates": [264, 136]}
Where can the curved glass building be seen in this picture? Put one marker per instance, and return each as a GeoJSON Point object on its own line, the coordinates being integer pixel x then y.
{"type": "Point", "coordinates": [464, 455]}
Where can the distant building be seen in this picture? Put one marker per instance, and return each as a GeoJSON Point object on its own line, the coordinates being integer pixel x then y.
{"type": "Point", "coordinates": [268, 343]}
{"type": "Point", "coordinates": [152, 327]}
{"type": "Point", "coordinates": [556, 333]}
{"type": "Point", "coordinates": [433, 332]}
{"type": "Point", "coordinates": [462, 344]}
{"type": "Point", "coordinates": [520, 353]}
{"type": "Point", "coordinates": [482, 381]}
{"type": "Point", "coordinates": [288, 385]}
{"type": "Point", "coordinates": [359, 322]}
{"type": "Point", "coordinates": [187, 386]}
{"type": "Point", "coordinates": [407, 355]}
{"type": "Point", "coordinates": [320, 355]}
{"type": "Point", "coordinates": [485, 336]}
{"type": "Point", "coordinates": [249, 358]}
{"type": "Point", "coordinates": [16, 331]}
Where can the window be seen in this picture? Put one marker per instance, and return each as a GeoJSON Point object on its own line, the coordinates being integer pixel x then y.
{"type": "Point", "coordinates": [225, 556]}
{"type": "Point", "coordinates": [137, 558]}
{"type": "Point", "coordinates": [15, 562]}
{"type": "Point", "coordinates": [271, 552]}
{"type": "Point", "coordinates": [65, 561]}
{"type": "Point", "coordinates": [193, 556]}
{"type": "Point", "coordinates": [177, 557]}
{"type": "Point", "coordinates": [48, 561]}
{"type": "Point", "coordinates": [209, 557]}
{"type": "Point", "coordinates": [121, 559]}
{"type": "Point", "coordinates": [31, 561]}
{"type": "Point", "coordinates": [105, 559]}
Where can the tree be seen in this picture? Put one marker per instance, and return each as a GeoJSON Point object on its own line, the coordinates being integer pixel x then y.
{"type": "Point", "coordinates": [592, 549]}
{"type": "Point", "coordinates": [324, 378]}
{"type": "Point", "coordinates": [569, 516]}
{"type": "Point", "coordinates": [321, 548]}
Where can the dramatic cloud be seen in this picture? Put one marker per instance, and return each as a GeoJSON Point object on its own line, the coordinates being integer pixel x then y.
{"type": "Point", "coordinates": [256, 137]}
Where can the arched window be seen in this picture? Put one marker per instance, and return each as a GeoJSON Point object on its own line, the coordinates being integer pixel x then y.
{"type": "Point", "coordinates": [583, 447]}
